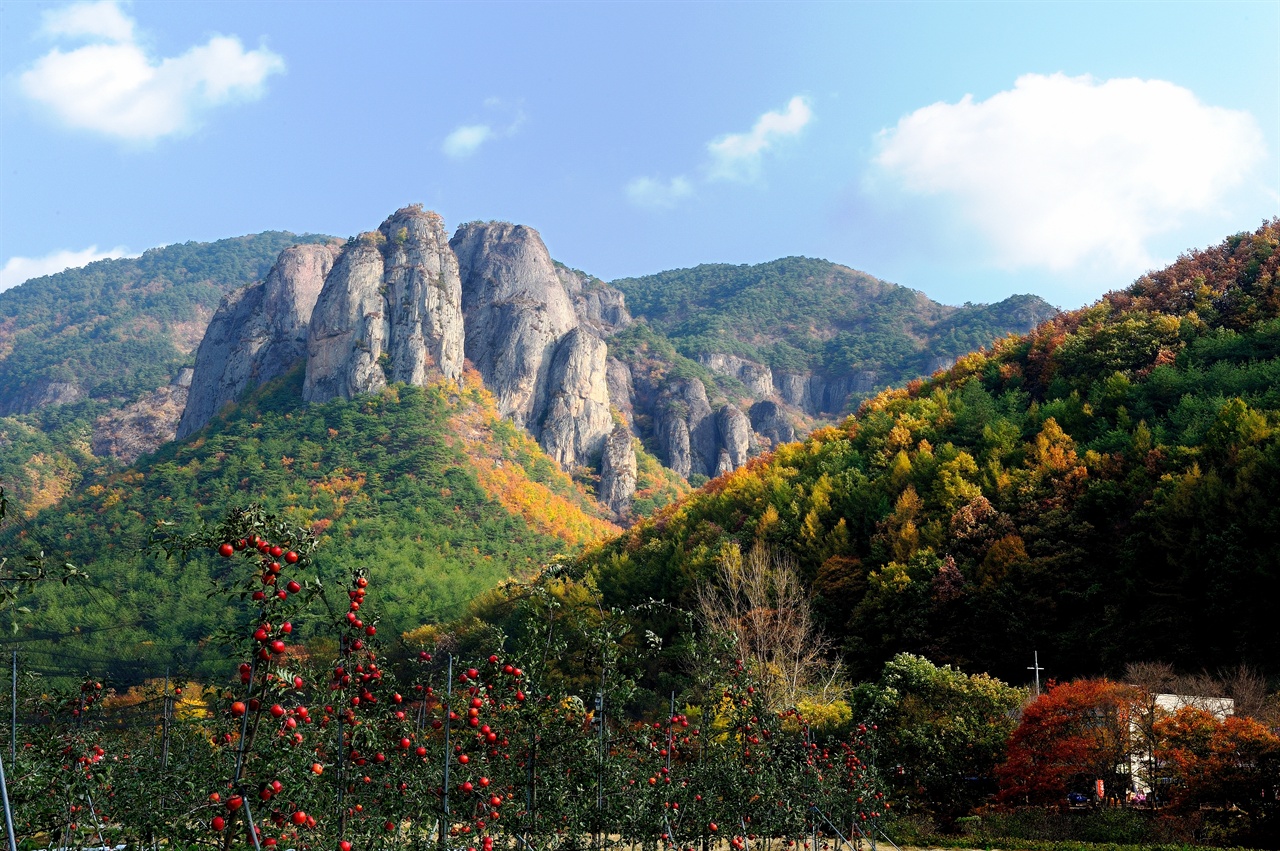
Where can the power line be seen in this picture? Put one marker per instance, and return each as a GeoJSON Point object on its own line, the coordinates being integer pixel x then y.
{"type": "Point", "coordinates": [75, 633]}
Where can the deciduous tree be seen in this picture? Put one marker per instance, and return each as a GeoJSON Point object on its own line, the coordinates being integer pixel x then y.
{"type": "Point", "coordinates": [1071, 736]}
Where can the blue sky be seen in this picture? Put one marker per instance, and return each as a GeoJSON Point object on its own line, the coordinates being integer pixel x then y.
{"type": "Point", "coordinates": [967, 150]}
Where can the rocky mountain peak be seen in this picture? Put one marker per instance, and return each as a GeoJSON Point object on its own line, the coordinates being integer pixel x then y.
{"type": "Point", "coordinates": [390, 311]}
{"type": "Point", "coordinates": [516, 312]}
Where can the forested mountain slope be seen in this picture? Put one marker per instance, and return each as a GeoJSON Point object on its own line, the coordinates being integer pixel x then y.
{"type": "Point", "coordinates": [1103, 490]}
{"type": "Point", "coordinates": [95, 362]}
{"type": "Point", "coordinates": [426, 488]}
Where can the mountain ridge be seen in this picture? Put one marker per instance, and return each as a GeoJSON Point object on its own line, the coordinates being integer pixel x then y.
{"type": "Point", "coordinates": [800, 312]}
{"type": "Point", "coordinates": [597, 369]}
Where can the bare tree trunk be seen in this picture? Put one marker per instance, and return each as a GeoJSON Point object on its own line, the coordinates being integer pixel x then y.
{"type": "Point", "coordinates": [760, 602]}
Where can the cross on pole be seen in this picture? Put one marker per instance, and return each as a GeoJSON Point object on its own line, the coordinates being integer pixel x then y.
{"type": "Point", "coordinates": [1036, 667]}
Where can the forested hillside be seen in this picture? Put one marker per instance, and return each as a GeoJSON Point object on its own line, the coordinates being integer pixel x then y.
{"type": "Point", "coordinates": [117, 328]}
{"type": "Point", "coordinates": [798, 314]}
{"type": "Point", "coordinates": [426, 488]}
{"type": "Point", "coordinates": [1103, 490]}
{"type": "Point", "coordinates": [81, 344]}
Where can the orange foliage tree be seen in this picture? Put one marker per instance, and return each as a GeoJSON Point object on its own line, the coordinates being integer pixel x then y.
{"type": "Point", "coordinates": [1231, 761]}
{"type": "Point", "coordinates": [1069, 737]}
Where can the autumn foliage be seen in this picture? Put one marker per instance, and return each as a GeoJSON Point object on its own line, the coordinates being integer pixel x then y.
{"type": "Point", "coordinates": [1070, 736]}
{"type": "Point", "coordinates": [1103, 490]}
{"type": "Point", "coordinates": [1219, 761]}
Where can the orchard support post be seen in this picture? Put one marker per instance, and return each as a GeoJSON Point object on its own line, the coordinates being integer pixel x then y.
{"type": "Point", "coordinates": [253, 830]}
{"type": "Point", "coordinates": [96, 824]}
{"type": "Point", "coordinates": [813, 821]}
{"type": "Point", "coordinates": [448, 710]}
{"type": "Point", "coordinates": [8, 810]}
{"type": "Point", "coordinates": [164, 743]}
{"type": "Point", "coordinates": [13, 712]}
{"type": "Point", "coordinates": [839, 835]}
{"type": "Point", "coordinates": [240, 749]}
{"type": "Point", "coordinates": [244, 722]}
{"type": "Point", "coordinates": [880, 830]}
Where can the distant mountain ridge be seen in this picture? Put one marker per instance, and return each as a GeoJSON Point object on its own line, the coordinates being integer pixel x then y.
{"type": "Point", "coordinates": [820, 330]}
{"type": "Point", "coordinates": [115, 329]}
{"type": "Point", "coordinates": [95, 362]}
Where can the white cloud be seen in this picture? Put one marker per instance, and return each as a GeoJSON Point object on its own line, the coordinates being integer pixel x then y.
{"type": "Point", "coordinates": [464, 141]}
{"type": "Point", "coordinates": [656, 195]}
{"type": "Point", "coordinates": [1062, 170]}
{"type": "Point", "coordinates": [114, 87]}
{"type": "Point", "coordinates": [20, 269]}
{"type": "Point", "coordinates": [101, 19]}
{"type": "Point", "coordinates": [737, 156]}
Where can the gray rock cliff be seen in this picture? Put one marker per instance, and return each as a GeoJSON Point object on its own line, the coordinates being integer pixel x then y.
{"type": "Point", "coordinates": [618, 472]}
{"type": "Point", "coordinates": [534, 331]}
{"type": "Point", "coordinates": [258, 333]}
{"type": "Point", "coordinates": [770, 422]}
{"type": "Point", "coordinates": [577, 418]}
{"type": "Point", "coordinates": [817, 394]}
{"type": "Point", "coordinates": [516, 313]}
{"type": "Point", "coordinates": [41, 394]}
{"type": "Point", "coordinates": [390, 310]}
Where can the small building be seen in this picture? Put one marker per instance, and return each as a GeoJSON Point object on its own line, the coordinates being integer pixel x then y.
{"type": "Point", "coordinates": [1219, 707]}
{"type": "Point", "coordinates": [1143, 770]}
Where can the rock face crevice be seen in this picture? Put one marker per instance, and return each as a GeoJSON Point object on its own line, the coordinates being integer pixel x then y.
{"type": "Point", "coordinates": [696, 439]}
{"type": "Point", "coordinates": [621, 392]}
{"type": "Point", "coordinates": [258, 333]}
{"type": "Point", "coordinates": [390, 310]}
{"type": "Point", "coordinates": [770, 422]}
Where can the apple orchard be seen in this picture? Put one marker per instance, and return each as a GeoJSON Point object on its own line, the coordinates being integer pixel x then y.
{"type": "Point", "coordinates": [567, 727]}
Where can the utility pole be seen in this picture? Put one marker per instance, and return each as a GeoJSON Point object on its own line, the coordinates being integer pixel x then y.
{"type": "Point", "coordinates": [1036, 667]}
